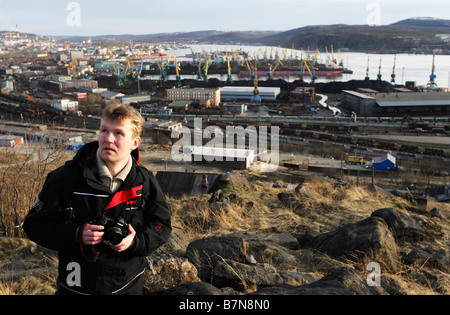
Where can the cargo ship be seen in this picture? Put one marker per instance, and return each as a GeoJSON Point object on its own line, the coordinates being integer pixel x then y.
{"type": "Point", "coordinates": [296, 72]}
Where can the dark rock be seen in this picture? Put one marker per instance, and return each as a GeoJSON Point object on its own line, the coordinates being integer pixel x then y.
{"type": "Point", "coordinates": [177, 243]}
{"type": "Point", "coordinates": [238, 246]}
{"type": "Point", "coordinates": [341, 281]}
{"type": "Point", "coordinates": [435, 213]}
{"type": "Point", "coordinates": [229, 273]}
{"type": "Point", "coordinates": [193, 288]}
{"type": "Point", "coordinates": [405, 227]}
{"type": "Point", "coordinates": [364, 241]}
{"type": "Point", "coordinates": [286, 198]}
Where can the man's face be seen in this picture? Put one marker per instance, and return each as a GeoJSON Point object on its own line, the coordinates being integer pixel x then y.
{"type": "Point", "coordinates": [116, 141]}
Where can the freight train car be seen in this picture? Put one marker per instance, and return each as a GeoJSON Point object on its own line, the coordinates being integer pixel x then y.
{"type": "Point", "coordinates": [387, 144]}
{"type": "Point", "coordinates": [434, 151]}
{"type": "Point", "coordinates": [410, 148]}
{"type": "Point", "coordinates": [355, 159]}
{"type": "Point", "coordinates": [365, 142]}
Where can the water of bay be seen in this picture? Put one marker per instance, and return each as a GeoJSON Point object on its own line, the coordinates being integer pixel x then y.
{"type": "Point", "coordinates": [408, 67]}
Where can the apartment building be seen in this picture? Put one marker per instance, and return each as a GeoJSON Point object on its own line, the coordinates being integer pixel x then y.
{"type": "Point", "coordinates": [209, 97]}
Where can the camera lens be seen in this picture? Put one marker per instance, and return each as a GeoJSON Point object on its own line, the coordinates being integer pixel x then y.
{"type": "Point", "coordinates": [114, 235]}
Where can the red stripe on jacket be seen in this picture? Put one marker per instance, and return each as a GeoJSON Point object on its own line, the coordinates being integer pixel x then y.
{"type": "Point", "coordinates": [124, 196]}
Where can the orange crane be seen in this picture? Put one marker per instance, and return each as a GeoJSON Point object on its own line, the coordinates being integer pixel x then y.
{"type": "Point", "coordinates": [73, 68]}
{"type": "Point", "coordinates": [256, 98]}
{"type": "Point", "coordinates": [305, 63]}
{"type": "Point", "coordinates": [272, 68]}
{"type": "Point", "coordinates": [177, 70]}
{"type": "Point", "coordinates": [229, 76]}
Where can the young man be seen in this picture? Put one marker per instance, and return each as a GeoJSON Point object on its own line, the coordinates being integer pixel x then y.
{"type": "Point", "coordinates": [103, 212]}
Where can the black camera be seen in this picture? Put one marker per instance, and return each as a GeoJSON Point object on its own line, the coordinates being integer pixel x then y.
{"type": "Point", "coordinates": [115, 230]}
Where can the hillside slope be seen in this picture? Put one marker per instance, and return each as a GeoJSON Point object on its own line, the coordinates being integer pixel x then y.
{"type": "Point", "coordinates": [404, 36]}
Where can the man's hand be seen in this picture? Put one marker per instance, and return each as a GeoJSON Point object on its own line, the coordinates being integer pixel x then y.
{"type": "Point", "coordinates": [92, 234]}
{"type": "Point", "coordinates": [126, 242]}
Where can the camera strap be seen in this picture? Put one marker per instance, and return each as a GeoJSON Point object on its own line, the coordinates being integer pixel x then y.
{"type": "Point", "coordinates": [71, 174]}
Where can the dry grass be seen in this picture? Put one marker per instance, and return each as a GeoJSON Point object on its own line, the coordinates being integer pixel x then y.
{"type": "Point", "coordinates": [321, 205]}
{"type": "Point", "coordinates": [29, 285]}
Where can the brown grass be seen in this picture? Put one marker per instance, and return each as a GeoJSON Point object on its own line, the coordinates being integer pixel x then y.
{"type": "Point", "coordinates": [321, 205]}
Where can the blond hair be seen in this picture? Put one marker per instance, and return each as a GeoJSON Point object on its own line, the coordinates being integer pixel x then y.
{"type": "Point", "coordinates": [121, 112]}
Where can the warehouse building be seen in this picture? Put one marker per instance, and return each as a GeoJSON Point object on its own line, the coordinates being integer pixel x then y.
{"type": "Point", "coordinates": [223, 157]}
{"type": "Point", "coordinates": [66, 85]}
{"type": "Point", "coordinates": [65, 105]}
{"type": "Point", "coordinates": [385, 162]}
{"type": "Point", "coordinates": [234, 93]}
{"type": "Point", "coordinates": [10, 141]}
{"type": "Point", "coordinates": [237, 109]}
{"type": "Point", "coordinates": [138, 98]}
{"type": "Point", "coordinates": [396, 103]}
{"type": "Point", "coordinates": [178, 184]}
{"type": "Point", "coordinates": [209, 97]}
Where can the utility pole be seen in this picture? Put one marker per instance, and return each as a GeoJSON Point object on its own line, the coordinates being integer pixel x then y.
{"type": "Point", "coordinates": [373, 176]}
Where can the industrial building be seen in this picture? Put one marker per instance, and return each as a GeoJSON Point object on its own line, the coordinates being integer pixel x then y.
{"type": "Point", "coordinates": [177, 184]}
{"type": "Point", "coordinates": [10, 141]}
{"type": "Point", "coordinates": [223, 157]}
{"type": "Point", "coordinates": [385, 162]}
{"type": "Point", "coordinates": [302, 95]}
{"type": "Point", "coordinates": [139, 98]}
{"type": "Point", "coordinates": [180, 105]}
{"type": "Point", "coordinates": [396, 103]}
{"type": "Point", "coordinates": [209, 97]}
{"type": "Point", "coordinates": [65, 85]}
{"type": "Point", "coordinates": [165, 126]}
{"type": "Point", "coordinates": [234, 93]}
{"type": "Point", "coordinates": [65, 105]}
{"type": "Point", "coordinates": [236, 109]}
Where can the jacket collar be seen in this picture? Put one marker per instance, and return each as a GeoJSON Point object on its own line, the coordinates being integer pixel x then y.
{"type": "Point", "coordinates": [86, 159]}
{"type": "Point", "coordinates": [88, 151]}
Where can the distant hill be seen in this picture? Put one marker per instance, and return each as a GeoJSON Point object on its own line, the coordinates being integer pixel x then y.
{"type": "Point", "coordinates": [403, 36]}
{"type": "Point", "coordinates": [424, 22]}
{"type": "Point", "coordinates": [415, 34]}
{"type": "Point", "coordinates": [208, 36]}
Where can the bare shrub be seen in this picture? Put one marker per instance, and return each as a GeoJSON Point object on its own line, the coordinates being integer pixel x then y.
{"type": "Point", "coordinates": [24, 171]}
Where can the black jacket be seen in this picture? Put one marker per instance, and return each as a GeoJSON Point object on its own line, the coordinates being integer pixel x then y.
{"type": "Point", "coordinates": [139, 201]}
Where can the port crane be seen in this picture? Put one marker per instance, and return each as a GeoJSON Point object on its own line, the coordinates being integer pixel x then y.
{"type": "Point", "coordinates": [272, 68]}
{"type": "Point", "coordinates": [379, 72]}
{"type": "Point", "coordinates": [162, 64]}
{"type": "Point", "coordinates": [333, 59]}
{"type": "Point", "coordinates": [367, 70]}
{"type": "Point", "coordinates": [393, 71]}
{"type": "Point", "coordinates": [205, 69]}
{"type": "Point", "coordinates": [251, 70]}
{"type": "Point", "coordinates": [177, 70]}
{"type": "Point", "coordinates": [256, 98]}
{"type": "Point", "coordinates": [199, 61]}
{"type": "Point", "coordinates": [129, 68]}
{"type": "Point", "coordinates": [73, 68]}
{"type": "Point", "coordinates": [119, 72]}
{"type": "Point", "coordinates": [229, 76]}
{"type": "Point", "coordinates": [432, 83]}
{"type": "Point", "coordinates": [304, 64]}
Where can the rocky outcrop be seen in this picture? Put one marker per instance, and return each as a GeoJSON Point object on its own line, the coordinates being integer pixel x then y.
{"type": "Point", "coordinates": [340, 281]}
{"type": "Point", "coordinates": [366, 241]}
{"type": "Point", "coordinates": [333, 263]}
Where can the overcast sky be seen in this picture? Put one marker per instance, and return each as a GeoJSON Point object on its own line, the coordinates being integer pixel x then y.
{"type": "Point", "coordinates": [102, 17]}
